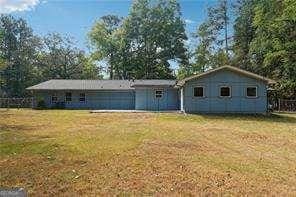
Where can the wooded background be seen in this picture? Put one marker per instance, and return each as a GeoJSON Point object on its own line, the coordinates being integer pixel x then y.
{"type": "Point", "coordinates": [256, 35]}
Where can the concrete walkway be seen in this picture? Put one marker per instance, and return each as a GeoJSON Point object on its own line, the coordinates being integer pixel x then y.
{"type": "Point", "coordinates": [132, 111]}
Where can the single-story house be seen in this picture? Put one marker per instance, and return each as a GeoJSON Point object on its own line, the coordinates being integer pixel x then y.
{"type": "Point", "coordinates": [225, 89]}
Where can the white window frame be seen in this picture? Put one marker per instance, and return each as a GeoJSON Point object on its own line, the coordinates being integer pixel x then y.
{"type": "Point", "coordinates": [230, 92]}
{"type": "Point", "coordinates": [158, 94]}
{"type": "Point", "coordinates": [252, 87]}
{"type": "Point", "coordinates": [54, 95]}
{"type": "Point", "coordinates": [66, 97]}
{"type": "Point", "coordinates": [81, 97]}
{"type": "Point", "coordinates": [203, 91]}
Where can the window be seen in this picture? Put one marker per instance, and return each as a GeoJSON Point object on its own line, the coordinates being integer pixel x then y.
{"type": "Point", "coordinates": [54, 98]}
{"type": "Point", "coordinates": [225, 91]}
{"type": "Point", "coordinates": [158, 93]}
{"type": "Point", "coordinates": [82, 97]}
{"type": "Point", "coordinates": [198, 91]}
{"type": "Point", "coordinates": [68, 97]}
{"type": "Point", "coordinates": [252, 91]}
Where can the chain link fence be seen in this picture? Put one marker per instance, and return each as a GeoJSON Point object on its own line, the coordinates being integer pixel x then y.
{"type": "Point", "coordinates": [283, 105]}
{"type": "Point", "coordinates": [16, 102]}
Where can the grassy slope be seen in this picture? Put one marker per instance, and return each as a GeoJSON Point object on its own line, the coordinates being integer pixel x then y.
{"type": "Point", "coordinates": [75, 152]}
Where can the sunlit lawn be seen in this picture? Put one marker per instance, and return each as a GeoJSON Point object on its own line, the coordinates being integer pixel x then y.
{"type": "Point", "coordinates": [75, 152]}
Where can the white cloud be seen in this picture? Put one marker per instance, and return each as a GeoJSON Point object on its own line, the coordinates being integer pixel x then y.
{"type": "Point", "coordinates": [8, 6]}
{"type": "Point", "coordinates": [188, 21]}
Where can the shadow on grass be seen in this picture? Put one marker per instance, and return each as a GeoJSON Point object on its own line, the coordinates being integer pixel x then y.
{"type": "Point", "coordinates": [9, 127]}
{"type": "Point", "coordinates": [16, 140]}
{"type": "Point", "coordinates": [274, 117]}
{"type": "Point", "coordinates": [39, 147]}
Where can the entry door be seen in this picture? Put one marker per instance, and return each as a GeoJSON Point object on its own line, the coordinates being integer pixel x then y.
{"type": "Point", "coordinates": [158, 96]}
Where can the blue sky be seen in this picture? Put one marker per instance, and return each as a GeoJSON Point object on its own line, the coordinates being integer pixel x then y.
{"type": "Point", "coordinates": [76, 17]}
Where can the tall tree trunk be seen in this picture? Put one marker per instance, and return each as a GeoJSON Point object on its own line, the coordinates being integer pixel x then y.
{"type": "Point", "coordinates": [111, 66]}
{"type": "Point", "coordinates": [225, 28]}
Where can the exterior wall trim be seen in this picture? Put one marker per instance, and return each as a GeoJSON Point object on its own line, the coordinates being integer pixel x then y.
{"type": "Point", "coordinates": [203, 92]}
{"type": "Point", "coordinates": [251, 97]}
{"type": "Point", "coordinates": [230, 92]}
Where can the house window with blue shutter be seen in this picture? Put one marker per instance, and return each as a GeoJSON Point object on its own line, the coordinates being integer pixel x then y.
{"type": "Point", "coordinates": [158, 94]}
{"type": "Point", "coordinates": [82, 97]}
{"type": "Point", "coordinates": [54, 98]}
{"type": "Point", "coordinates": [68, 97]}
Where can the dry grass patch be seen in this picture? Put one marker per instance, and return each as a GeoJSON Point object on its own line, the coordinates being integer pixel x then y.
{"type": "Point", "coordinates": [69, 153]}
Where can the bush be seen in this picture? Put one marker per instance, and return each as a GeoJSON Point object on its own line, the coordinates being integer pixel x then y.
{"type": "Point", "coordinates": [59, 105]}
{"type": "Point", "coordinates": [41, 104]}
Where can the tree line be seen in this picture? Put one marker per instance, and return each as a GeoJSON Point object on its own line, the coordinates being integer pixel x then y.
{"type": "Point", "coordinates": [27, 59]}
{"type": "Point", "coordinates": [263, 41]}
{"type": "Point", "coordinates": [258, 36]}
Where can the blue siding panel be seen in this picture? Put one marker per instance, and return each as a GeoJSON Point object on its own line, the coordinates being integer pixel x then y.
{"type": "Point", "coordinates": [140, 99]}
{"type": "Point", "coordinates": [213, 103]}
{"type": "Point", "coordinates": [94, 99]}
{"type": "Point", "coordinates": [146, 100]}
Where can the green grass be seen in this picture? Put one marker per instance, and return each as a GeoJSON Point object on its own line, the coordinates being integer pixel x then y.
{"type": "Point", "coordinates": [58, 152]}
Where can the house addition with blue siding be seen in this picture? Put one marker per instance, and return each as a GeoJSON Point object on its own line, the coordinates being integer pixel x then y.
{"type": "Point", "coordinates": [225, 89]}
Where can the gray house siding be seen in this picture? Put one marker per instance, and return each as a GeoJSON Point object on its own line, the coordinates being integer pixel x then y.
{"type": "Point", "coordinates": [102, 99]}
{"type": "Point", "coordinates": [213, 103]}
{"type": "Point", "coordinates": [146, 99]}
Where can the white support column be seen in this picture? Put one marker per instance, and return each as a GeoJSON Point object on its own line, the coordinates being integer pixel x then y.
{"type": "Point", "coordinates": [182, 100]}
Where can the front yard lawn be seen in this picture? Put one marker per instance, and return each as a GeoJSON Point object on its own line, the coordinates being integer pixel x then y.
{"type": "Point", "coordinates": [56, 152]}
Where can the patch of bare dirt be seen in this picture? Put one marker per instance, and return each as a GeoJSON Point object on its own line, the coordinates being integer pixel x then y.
{"type": "Point", "coordinates": [152, 169]}
{"type": "Point", "coordinates": [10, 127]}
{"type": "Point", "coordinates": [149, 170]}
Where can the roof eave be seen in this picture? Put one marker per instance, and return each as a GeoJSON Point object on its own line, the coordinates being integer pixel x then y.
{"type": "Point", "coordinates": [122, 89]}
{"type": "Point", "coordinates": [143, 86]}
{"type": "Point", "coordinates": [234, 69]}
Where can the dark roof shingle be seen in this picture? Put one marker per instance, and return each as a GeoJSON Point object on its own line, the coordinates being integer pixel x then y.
{"type": "Point", "coordinates": [70, 84]}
